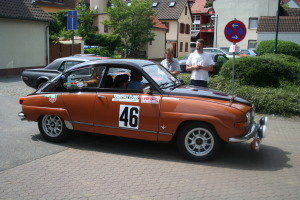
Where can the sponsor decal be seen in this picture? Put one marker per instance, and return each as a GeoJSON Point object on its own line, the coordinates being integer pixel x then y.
{"type": "Point", "coordinates": [171, 98]}
{"type": "Point", "coordinates": [150, 99]}
{"type": "Point", "coordinates": [125, 98]}
{"type": "Point", "coordinates": [80, 84]}
{"type": "Point", "coordinates": [52, 97]}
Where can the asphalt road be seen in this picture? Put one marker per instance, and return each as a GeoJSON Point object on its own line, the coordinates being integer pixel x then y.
{"type": "Point", "coordinates": [20, 140]}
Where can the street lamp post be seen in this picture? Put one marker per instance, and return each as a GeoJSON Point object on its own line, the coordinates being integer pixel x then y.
{"type": "Point", "coordinates": [215, 19]}
{"type": "Point", "coordinates": [277, 27]}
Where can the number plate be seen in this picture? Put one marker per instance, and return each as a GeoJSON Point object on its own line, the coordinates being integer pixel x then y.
{"type": "Point", "coordinates": [129, 116]}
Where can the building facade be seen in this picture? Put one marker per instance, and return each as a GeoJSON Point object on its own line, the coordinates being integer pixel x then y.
{"type": "Point", "coordinates": [24, 37]}
{"type": "Point", "coordinates": [246, 11]}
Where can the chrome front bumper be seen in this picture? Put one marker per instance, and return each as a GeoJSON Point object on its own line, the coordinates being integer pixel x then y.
{"type": "Point", "coordinates": [256, 132]}
{"type": "Point", "coordinates": [22, 116]}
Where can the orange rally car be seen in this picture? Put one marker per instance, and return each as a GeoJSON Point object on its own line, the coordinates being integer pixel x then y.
{"type": "Point", "coordinates": [141, 99]}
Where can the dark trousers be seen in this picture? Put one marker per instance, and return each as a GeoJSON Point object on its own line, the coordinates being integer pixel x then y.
{"type": "Point", "coordinates": [198, 83]}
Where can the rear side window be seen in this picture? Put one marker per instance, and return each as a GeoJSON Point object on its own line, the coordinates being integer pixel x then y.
{"type": "Point", "coordinates": [89, 77]}
{"type": "Point", "coordinates": [67, 64]}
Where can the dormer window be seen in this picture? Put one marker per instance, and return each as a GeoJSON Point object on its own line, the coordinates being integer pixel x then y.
{"type": "Point", "coordinates": [155, 4]}
{"type": "Point", "coordinates": [172, 4]}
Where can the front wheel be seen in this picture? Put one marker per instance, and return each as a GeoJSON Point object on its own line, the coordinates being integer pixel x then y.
{"type": "Point", "coordinates": [198, 141]}
{"type": "Point", "coordinates": [52, 128]}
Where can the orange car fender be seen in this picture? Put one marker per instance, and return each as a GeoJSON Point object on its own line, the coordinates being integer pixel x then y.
{"type": "Point", "coordinates": [36, 112]}
{"type": "Point", "coordinates": [174, 121]}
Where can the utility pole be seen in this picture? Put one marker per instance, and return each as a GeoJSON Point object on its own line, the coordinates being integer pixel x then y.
{"type": "Point", "coordinates": [277, 26]}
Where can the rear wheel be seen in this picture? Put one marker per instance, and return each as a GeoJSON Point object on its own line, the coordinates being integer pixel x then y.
{"type": "Point", "coordinates": [52, 128]}
{"type": "Point", "coordinates": [198, 141]}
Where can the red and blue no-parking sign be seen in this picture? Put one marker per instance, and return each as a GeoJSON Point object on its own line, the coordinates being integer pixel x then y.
{"type": "Point", "coordinates": [235, 31]}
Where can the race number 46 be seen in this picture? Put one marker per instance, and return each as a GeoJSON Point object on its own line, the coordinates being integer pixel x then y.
{"type": "Point", "coordinates": [129, 116]}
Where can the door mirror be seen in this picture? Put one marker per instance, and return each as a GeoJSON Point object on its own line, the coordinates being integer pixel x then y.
{"type": "Point", "coordinates": [147, 90]}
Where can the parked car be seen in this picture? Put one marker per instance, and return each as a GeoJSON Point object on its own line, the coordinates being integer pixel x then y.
{"type": "Point", "coordinates": [219, 51]}
{"type": "Point", "coordinates": [247, 52]}
{"type": "Point", "coordinates": [36, 78]}
{"type": "Point", "coordinates": [214, 56]}
{"type": "Point", "coordinates": [161, 109]}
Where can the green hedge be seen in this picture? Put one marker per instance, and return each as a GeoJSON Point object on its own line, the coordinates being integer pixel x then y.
{"type": "Point", "coordinates": [108, 41]}
{"type": "Point", "coordinates": [284, 47]}
{"type": "Point", "coordinates": [98, 51]}
{"type": "Point", "coordinates": [264, 71]}
{"type": "Point", "coordinates": [280, 101]}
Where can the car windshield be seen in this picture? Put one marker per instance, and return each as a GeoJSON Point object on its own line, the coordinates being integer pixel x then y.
{"type": "Point", "coordinates": [161, 76]}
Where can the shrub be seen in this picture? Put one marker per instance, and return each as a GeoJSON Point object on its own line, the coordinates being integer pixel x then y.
{"type": "Point", "coordinates": [98, 51]}
{"type": "Point", "coordinates": [109, 41]}
{"type": "Point", "coordinates": [263, 71]}
{"type": "Point", "coordinates": [284, 47]}
{"type": "Point", "coordinates": [185, 77]}
{"type": "Point", "coordinates": [281, 101]}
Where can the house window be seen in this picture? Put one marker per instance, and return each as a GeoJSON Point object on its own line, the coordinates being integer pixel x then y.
{"type": "Point", "coordinates": [167, 25]}
{"type": "Point", "coordinates": [181, 28]}
{"type": "Point", "coordinates": [196, 17]}
{"type": "Point", "coordinates": [196, 27]}
{"type": "Point", "coordinates": [187, 28]}
{"type": "Point", "coordinates": [252, 44]}
{"type": "Point", "coordinates": [105, 28]}
{"type": "Point", "coordinates": [186, 47]}
{"type": "Point", "coordinates": [181, 46]}
{"type": "Point", "coordinates": [185, 10]}
{"type": "Point", "coordinates": [253, 22]}
{"type": "Point", "coordinates": [172, 4]}
{"type": "Point", "coordinates": [155, 4]}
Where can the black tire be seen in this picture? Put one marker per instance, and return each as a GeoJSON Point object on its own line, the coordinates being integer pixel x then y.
{"type": "Point", "coordinates": [198, 141]}
{"type": "Point", "coordinates": [53, 128]}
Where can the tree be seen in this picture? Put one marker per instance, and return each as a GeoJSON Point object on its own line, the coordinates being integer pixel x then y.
{"type": "Point", "coordinates": [85, 20]}
{"type": "Point", "coordinates": [58, 25]}
{"type": "Point", "coordinates": [132, 22]}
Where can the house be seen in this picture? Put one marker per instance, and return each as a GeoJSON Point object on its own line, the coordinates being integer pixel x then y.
{"type": "Point", "coordinates": [288, 29]}
{"type": "Point", "coordinates": [176, 15]}
{"type": "Point", "coordinates": [246, 11]}
{"type": "Point", "coordinates": [24, 37]}
{"type": "Point", "coordinates": [154, 50]}
{"type": "Point", "coordinates": [52, 6]}
{"type": "Point", "coordinates": [203, 23]}
{"type": "Point", "coordinates": [291, 3]}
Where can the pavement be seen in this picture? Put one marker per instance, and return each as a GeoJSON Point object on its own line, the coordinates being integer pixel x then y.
{"type": "Point", "coordinates": [92, 166]}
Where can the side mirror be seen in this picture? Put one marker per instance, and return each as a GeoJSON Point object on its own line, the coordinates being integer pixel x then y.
{"type": "Point", "coordinates": [181, 81]}
{"type": "Point", "coordinates": [147, 90]}
{"type": "Point", "coordinates": [62, 77]}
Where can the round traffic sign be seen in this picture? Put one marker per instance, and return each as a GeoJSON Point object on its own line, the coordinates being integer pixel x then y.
{"type": "Point", "coordinates": [235, 31]}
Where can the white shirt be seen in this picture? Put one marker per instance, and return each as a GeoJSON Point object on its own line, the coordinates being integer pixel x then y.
{"type": "Point", "coordinates": [203, 59]}
{"type": "Point", "coordinates": [172, 66]}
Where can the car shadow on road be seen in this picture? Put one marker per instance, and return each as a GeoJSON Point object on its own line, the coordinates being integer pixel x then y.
{"type": "Point", "coordinates": [236, 156]}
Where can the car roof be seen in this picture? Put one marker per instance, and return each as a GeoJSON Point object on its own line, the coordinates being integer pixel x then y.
{"type": "Point", "coordinates": [132, 62]}
{"type": "Point", "coordinates": [80, 58]}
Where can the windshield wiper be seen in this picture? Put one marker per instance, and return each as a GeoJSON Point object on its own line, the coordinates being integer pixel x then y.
{"type": "Point", "coordinates": [165, 85]}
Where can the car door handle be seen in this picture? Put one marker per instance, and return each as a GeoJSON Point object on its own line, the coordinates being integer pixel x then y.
{"type": "Point", "coordinates": [101, 97]}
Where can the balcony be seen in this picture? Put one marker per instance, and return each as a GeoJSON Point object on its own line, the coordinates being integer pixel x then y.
{"type": "Point", "coordinates": [209, 27]}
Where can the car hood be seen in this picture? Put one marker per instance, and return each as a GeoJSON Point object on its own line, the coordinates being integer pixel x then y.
{"type": "Point", "coordinates": [195, 91]}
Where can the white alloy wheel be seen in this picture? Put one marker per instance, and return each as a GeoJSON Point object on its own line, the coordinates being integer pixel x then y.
{"type": "Point", "coordinates": [199, 141]}
{"type": "Point", "coordinates": [52, 125]}
{"type": "Point", "coordinates": [53, 128]}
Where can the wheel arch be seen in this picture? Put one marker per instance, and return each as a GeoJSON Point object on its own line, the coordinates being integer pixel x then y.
{"type": "Point", "coordinates": [184, 123]}
{"type": "Point", "coordinates": [40, 80]}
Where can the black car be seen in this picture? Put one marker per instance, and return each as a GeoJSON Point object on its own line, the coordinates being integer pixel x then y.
{"type": "Point", "coordinates": [36, 78]}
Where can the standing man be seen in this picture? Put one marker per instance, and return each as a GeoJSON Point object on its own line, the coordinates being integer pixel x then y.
{"type": "Point", "coordinates": [170, 63]}
{"type": "Point", "coordinates": [199, 63]}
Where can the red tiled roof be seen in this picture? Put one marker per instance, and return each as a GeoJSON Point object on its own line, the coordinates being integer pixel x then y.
{"type": "Point", "coordinates": [22, 9]}
{"type": "Point", "coordinates": [198, 7]}
{"type": "Point", "coordinates": [286, 24]}
{"type": "Point", "coordinates": [158, 23]}
{"type": "Point", "coordinates": [54, 3]}
{"type": "Point", "coordinates": [286, 1]}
